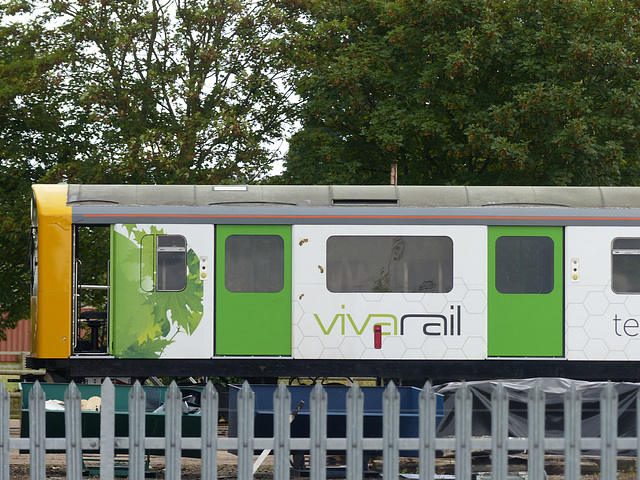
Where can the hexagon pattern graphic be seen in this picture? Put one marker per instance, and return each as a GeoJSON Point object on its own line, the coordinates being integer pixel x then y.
{"type": "Point", "coordinates": [596, 303]}
{"type": "Point", "coordinates": [448, 325]}
{"type": "Point", "coordinates": [600, 324]}
{"type": "Point", "coordinates": [578, 313]}
{"type": "Point", "coordinates": [475, 301]}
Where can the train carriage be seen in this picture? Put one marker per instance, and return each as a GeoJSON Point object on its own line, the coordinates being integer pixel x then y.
{"type": "Point", "coordinates": [408, 282]}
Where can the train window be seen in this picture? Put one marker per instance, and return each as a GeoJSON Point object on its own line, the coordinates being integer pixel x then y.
{"type": "Point", "coordinates": [625, 264]}
{"type": "Point", "coordinates": [171, 273]}
{"type": "Point", "coordinates": [254, 263]}
{"type": "Point", "coordinates": [524, 265]}
{"type": "Point", "coordinates": [410, 264]}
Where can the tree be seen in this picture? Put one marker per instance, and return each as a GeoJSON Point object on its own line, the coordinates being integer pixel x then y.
{"type": "Point", "coordinates": [142, 91]}
{"type": "Point", "coordinates": [468, 91]}
{"type": "Point", "coordinates": [176, 91]}
{"type": "Point", "coordinates": [31, 124]}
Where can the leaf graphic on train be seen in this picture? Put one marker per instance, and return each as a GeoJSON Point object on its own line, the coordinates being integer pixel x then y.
{"type": "Point", "coordinates": [145, 340]}
{"type": "Point", "coordinates": [141, 328]}
{"type": "Point", "coordinates": [139, 233]}
{"type": "Point", "coordinates": [136, 324]}
{"type": "Point", "coordinates": [148, 349]}
{"type": "Point", "coordinates": [129, 227]}
{"type": "Point", "coordinates": [183, 308]}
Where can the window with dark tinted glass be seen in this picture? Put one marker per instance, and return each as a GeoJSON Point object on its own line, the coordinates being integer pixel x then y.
{"type": "Point", "coordinates": [172, 263]}
{"type": "Point", "coordinates": [625, 265]}
{"type": "Point", "coordinates": [524, 265]}
{"type": "Point", "coordinates": [254, 263]}
{"type": "Point", "coordinates": [407, 264]}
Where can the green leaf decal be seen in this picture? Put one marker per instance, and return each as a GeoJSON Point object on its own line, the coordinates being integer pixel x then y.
{"type": "Point", "coordinates": [181, 308]}
{"type": "Point", "coordinates": [147, 349]}
{"type": "Point", "coordinates": [144, 318]}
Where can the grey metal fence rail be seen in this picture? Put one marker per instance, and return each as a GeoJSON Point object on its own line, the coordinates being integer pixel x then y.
{"type": "Point", "coordinates": [317, 444]}
{"type": "Point", "coordinates": [19, 367]}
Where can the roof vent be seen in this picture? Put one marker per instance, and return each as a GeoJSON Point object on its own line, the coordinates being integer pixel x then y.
{"type": "Point", "coordinates": [364, 202]}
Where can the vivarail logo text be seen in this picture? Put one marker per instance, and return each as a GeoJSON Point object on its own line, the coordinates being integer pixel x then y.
{"type": "Point", "coordinates": [431, 324]}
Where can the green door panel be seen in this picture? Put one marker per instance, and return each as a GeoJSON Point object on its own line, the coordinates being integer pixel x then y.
{"type": "Point", "coordinates": [253, 290]}
{"type": "Point", "coordinates": [525, 292]}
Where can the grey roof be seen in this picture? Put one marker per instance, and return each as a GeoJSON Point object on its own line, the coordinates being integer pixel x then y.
{"type": "Point", "coordinates": [382, 195]}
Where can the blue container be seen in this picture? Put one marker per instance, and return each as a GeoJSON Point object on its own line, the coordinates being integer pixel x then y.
{"type": "Point", "coordinates": [336, 411]}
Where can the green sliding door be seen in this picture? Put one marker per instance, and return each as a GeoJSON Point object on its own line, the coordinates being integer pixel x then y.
{"type": "Point", "coordinates": [525, 304]}
{"type": "Point", "coordinates": [253, 290]}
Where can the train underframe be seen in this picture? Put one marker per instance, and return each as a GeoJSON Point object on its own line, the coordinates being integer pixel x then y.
{"type": "Point", "coordinates": [414, 372]}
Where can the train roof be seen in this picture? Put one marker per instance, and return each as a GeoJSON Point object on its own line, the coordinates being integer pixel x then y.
{"type": "Point", "coordinates": [354, 196]}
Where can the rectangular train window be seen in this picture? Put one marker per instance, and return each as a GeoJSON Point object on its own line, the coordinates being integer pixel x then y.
{"type": "Point", "coordinates": [254, 263]}
{"type": "Point", "coordinates": [171, 274]}
{"type": "Point", "coordinates": [625, 265]}
{"type": "Point", "coordinates": [407, 264]}
{"type": "Point", "coordinates": [524, 265]}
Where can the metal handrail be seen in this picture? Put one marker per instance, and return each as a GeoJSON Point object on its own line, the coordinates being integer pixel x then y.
{"type": "Point", "coordinates": [94, 287]}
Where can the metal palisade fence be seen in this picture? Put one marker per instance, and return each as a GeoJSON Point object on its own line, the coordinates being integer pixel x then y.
{"type": "Point", "coordinates": [391, 444]}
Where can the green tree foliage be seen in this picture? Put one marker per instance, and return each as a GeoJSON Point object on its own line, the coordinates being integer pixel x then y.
{"type": "Point", "coordinates": [468, 91]}
{"type": "Point", "coordinates": [31, 123]}
{"type": "Point", "coordinates": [176, 91]}
{"type": "Point", "coordinates": [136, 91]}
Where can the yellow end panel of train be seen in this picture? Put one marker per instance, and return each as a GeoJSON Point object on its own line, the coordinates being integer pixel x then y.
{"type": "Point", "coordinates": [51, 326]}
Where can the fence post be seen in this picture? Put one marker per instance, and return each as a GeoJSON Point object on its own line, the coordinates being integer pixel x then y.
{"type": "Point", "coordinates": [572, 433]}
{"type": "Point", "coordinates": [282, 432]}
{"type": "Point", "coordinates": [427, 432]}
{"type": "Point", "coordinates": [107, 429]}
{"type": "Point", "coordinates": [5, 429]}
{"type": "Point", "coordinates": [355, 432]}
{"type": "Point", "coordinates": [37, 431]}
{"type": "Point", "coordinates": [73, 431]}
{"type": "Point", "coordinates": [136, 431]}
{"type": "Point", "coordinates": [390, 431]}
{"type": "Point", "coordinates": [536, 432]}
{"type": "Point", "coordinates": [209, 430]}
{"type": "Point", "coordinates": [318, 433]}
{"type": "Point", "coordinates": [499, 432]}
{"type": "Point", "coordinates": [609, 428]}
{"type": "Point", "coordinates": [463, 405]}
{"type": "Point", "coordinates": [173, 431]}
{"type": "Point", "coordinates": [246, 406]}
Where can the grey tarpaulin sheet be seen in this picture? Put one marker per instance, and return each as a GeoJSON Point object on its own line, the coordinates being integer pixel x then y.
{"type": "Point", "coordinates": [554, 389]}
